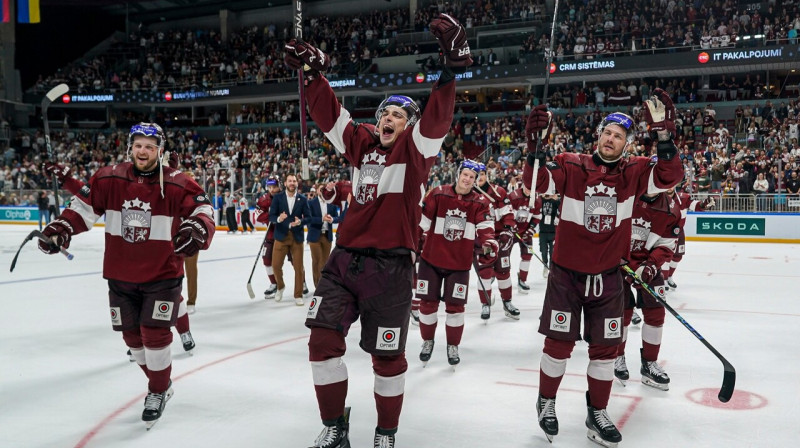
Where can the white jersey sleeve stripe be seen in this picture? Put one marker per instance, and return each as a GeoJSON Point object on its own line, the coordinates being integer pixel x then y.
{"type": "Point", "coordinates": [424, 223]}
{"type": "Point", "coordinates": [85, 211]}
{"type": "Point", "coordinates": [428, 147]}
{"type": "Point", "coordinates": [335, 135]}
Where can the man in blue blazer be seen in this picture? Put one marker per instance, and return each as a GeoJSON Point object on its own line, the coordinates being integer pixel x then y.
{"type": "Point", "coordinates": [288, 213]}
{"type": "Point", "coordinates": [320, 230]}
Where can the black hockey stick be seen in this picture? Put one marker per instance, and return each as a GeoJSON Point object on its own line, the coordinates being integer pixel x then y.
{"type": "Point", "coordinates": [49, 97]}
{"type": "Point", "coordinates": [530, 249]}
{"type": "Point", "coordinates": [301, 90]}
{"type": "Point", "coordinates": [255, 263]}
{"type": "Point", "coordinates": [729, 378]}
{"type": "Point", "coordinates": [39, 235]}
{"type": "Point", "coordinates": [480, 282]}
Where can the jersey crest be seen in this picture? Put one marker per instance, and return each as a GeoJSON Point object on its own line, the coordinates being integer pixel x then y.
{"type": "Point", "coordinates": [523, 214]}
{"type": "Point", "coordinates": [136, 217]}
{"type": "Point", "coordinates": [640, 231]}
{"type": "Point", "coordinates": [455, 222]}
{"type": "Point", "coordinates": [369, 177]}
{"type": "Point", "coordinates": [600, 208]}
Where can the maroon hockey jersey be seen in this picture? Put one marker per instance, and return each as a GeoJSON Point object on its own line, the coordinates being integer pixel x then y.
{"type": "Point", "coordinates": [654, 231]}
{"type": "Point", "coordinates": [388, 185]}
{"type": "Point", "coordinates": [454, 224]}
{"type": "Point", "coordinates": [686, 203]}
{"type": "Point", "coordinates": [524, 216]}
{"type": "Point", "coordinates": [262, 205]}
{"type": "Point", "coordinates": [139, 223]}
{"type": "Point", "coordinates": [499, 205]}
{"type": "Point", "coordinates": [597, 202]}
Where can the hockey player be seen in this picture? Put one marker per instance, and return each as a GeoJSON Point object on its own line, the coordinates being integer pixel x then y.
{"type": "Point", "coordinates": [456, 221]}
{"type": "Point", "coordinates": [547, 207]}
{"type": "Point", "coordinates": [262, 204]}
{"type": "Point", "coordinates": [503, 215]}
{"type": "Point", "coordinates": [76, 187]}
{"type": "Point", "coordinates": [154, 217]}
{"type": "Point", "coordinates": [525, 221]}
{"type": "Point", "coordinates": [686, 203]}
{"type": "Point", "coordinates": [369, 273]}
{"type": "Point", "coordinates": [655, 228]}
{"type": "Point", "coordinates": [593, 237]}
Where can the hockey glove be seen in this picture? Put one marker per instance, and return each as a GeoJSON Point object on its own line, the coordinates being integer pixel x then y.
{"type": "Point", "coordinates": [60, 233]}
{"type": "Point", "coordinates": [487, 253]}
{"type": "Point", "coordinates": [505, 239]}
{"type": "Point", "coordinates": [300, 54]}
{"type": "Point", "coordinates": [647, 272]}
{"type": "Point", "coordinates": [527, 237]}
{"type": "Point", "coordinates": [659, 114]}
{"type": "Point", "coordinates": [452, 40]}
{"type": "Point", "coordinates": [191, 237]}
{"type": "Point", "coordinates": [538, 128]}
{"type": "Point", "coordinates": [708, 203]}
{"type": "Point", "coordinates": [61, 172]}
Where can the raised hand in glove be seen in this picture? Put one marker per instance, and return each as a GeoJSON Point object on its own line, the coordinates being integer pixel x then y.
{"type": "Point", "coordinates": [538, 127]}
{"type": "Point", "coordinates": [487, 253]}
{"type": "Point", "coordinates": [505, 239]}
{"type": "Point", "coordinates": [659, 114]}
{"type": "Point", "coordinates": [453, 41]}
{"type": "Point", "coordinates": [61, 172]}
{"type": "Point", "coordinates": [60, 233]}
{"type": "Point", "coordinates": [191, 237]}
{"type": "Point", "coordinates": [300, 54]}
{"type": "Point", "coordinates": [708, 203]}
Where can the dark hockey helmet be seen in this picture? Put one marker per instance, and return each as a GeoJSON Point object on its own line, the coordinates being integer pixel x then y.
{"type": "Point", "coordinates": [403, 102]}
{"type": "Point", "coordinates": [272, 182]}
{"type": "Point", "coordinates": [620, 119]}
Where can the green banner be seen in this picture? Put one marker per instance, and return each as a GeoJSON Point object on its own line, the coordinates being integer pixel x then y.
{"type": "Point", "coordinates": [19, 214]}
{"type": "Point", "coordinates": [731, 226]}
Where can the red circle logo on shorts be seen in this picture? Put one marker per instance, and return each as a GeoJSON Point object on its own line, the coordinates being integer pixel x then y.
{"type": "Point", "coordinates": [460, 288]}
{"type": "Point", "coordinates": [389, 336]}
{"type": "Point", "coordinates": [163, 307]}
{"type": "Point", "coordinates": [703, 57]}
{"type": "Point", "coordinates": [613, 325]}
{"type": "Point", "coordinates": [113, 314]}
{"type": "Point", "coordinates": [312, 304]}
{"type": "Point", "coordinates": [421, 284]}
{"type": "Point", "coordinates": [561, 318]}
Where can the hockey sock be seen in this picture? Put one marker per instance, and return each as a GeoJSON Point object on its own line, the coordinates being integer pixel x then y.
{"type": "Point", "coordinates": [524, 266]}
{"type": "Point", "coordinates": [454, 324]}
{"type": "Point", "coordinates": [600, 373]}
{"type": "Point", "coordinates": [325, 350]}
{"type": "Point", "coordinates": [553, 365]}
{"type": "Point", "coordinates": [390, 381]}
{"type": "Point", "coordinates": [652, 330]}
{"type": "Point", "coordinates": [428, 319]}
{"type": "Point", "coordinates": [627, 315]}
{"type": "Point", "coordinates": [182, 325]}
{"type": "Point", "coordinates": [158, 356]}
{"type": "Point", "coordinates": [504, 285]}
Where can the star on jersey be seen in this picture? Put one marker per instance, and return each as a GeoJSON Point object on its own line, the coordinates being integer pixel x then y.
{"type": "Point", "coordinates": [641, 222]}
{"type": "Point", "coordinates": [136, 203]}
{"type": "Point", "coordinates": [380, 159]}
{"type": "Point", "coordinates": [456, 212]}
{"type": "Point", "coordinates": [601, 189]}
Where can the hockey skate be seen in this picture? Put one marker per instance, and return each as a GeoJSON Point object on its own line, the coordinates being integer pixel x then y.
{"type": "Point", "coordinates": [522, 287]}
{"type": "Point", "coordinates": [188, 342]}
{"type": "Point", "coordinates": [384, 438]}
{"type": "Point", "coordinates": [601, 429]}
{"type": "Point", "coordinates": [621, 370]}
{"type": "Point", "coordinates": [546, 410]}
{"type": "Point", "coordinates": [636, 319]}
{"type": "Point", "coordinates": [671, 284]}
{"type": "Point", "coordinates": [270, 292]}
{"type": "Point", "coordinates": [452, 356]}
{"type": "Point", "coordinates": [336, 435]}
{"type": "Point", "coordinates": [130, 356]}
{"type": "Point", "coordinates": [415, 317]}
{"type": "Point", "coordinates": [486, 313]}
{"type": "Point", "coordinates": [510, 310]}
{"type": "Point", "coordinates": [154, 406]}
{"type": "Point", "coordinates": [653, 375]}
{"type": "Point", "coordinates": [425, 354]}
{"type": "Point", "coordinates": [545, 272]}
{"type": "Point", "coordinates": [305, 289]}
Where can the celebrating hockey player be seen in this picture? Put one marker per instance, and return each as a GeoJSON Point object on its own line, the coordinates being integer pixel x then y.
{"type": "Point", "coordinates": [593, 237]}
{"type": "Point", "coordinates": [369, 273]}
{"type": "Point", "coordinates": [525, 221]}
{"type": "Point", "coordinates": [154, 217]}
{"type": "Point", "coordinates": [655, 228]}
{"type": "Point", "coordinates": [456, 221]}
{"type": "Point", "coordinates": [503, 215]}
{"type": "Point", "coordinates": [262, 205]}
{"type": "Point", "coordinates": [686, 203]}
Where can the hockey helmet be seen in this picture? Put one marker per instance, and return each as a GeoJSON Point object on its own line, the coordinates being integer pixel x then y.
{"type": "Point", "coordinates": [468, 164]}
{"type": "Point", "coordinates": [148, 130]}
{"type": "Point", "coordinates": [620, 119]}
{"type": "Point", "coordinates": [403, 102]}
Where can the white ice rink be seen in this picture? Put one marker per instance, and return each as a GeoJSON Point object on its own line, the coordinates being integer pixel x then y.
{"type": "Point", "coordinates": [65, 380]}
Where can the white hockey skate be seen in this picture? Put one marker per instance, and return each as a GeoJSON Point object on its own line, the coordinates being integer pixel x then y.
{"type": "Point", "coordinates": [154, 405]}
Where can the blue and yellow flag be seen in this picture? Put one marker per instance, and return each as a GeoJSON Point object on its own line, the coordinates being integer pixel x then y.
{"type": "Point", "coordinates": [28, 11]}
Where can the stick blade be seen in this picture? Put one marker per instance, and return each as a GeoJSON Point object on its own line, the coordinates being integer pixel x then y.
{"type": "Point", "coordinates": [56, 92]}
{"type": "Point", "coordinates": [728, 384]}
{"type": "Point", "coordinates": [250, 291]}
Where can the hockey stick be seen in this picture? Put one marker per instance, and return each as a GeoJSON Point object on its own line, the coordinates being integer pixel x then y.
{"type": "Point", "coordinates": [480, 282]}
{"type": "Point", "coordinates": [39, 235]}
{"type": "Point", "coordinates": [729, 378]}
{"type": "Point", "coordinates": [255, 263]}
{"type": "Point", "coordinates": [535, 177]}
{"type": "Point", "coordinates": [530, 249]}
{"type": "Point", "coordinates": [49, 97]}
{"type": "Point", "coordinates": [298, 34]}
